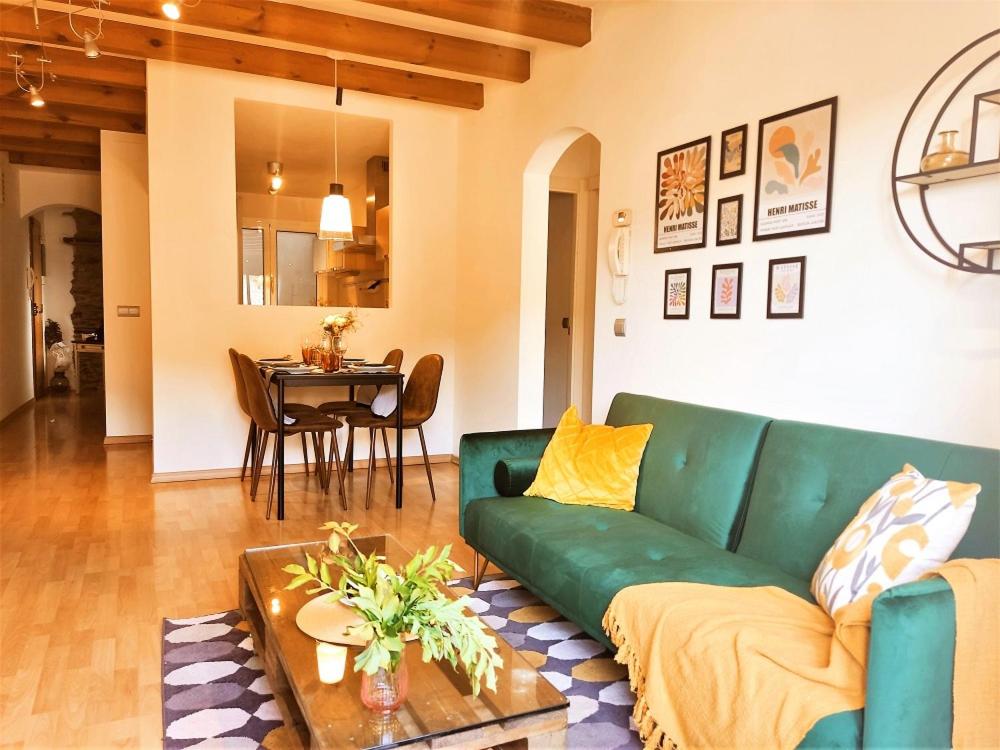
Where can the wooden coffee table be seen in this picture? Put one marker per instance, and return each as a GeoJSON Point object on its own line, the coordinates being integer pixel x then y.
{"type": "Point", "coordinates": [440, 712]}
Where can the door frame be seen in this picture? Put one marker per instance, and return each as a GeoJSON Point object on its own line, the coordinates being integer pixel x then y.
{"type": "Point", "coordinates": [36, 299]}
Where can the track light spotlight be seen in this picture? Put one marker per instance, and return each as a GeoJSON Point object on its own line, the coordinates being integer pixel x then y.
{"type": "Point", "coordinates": [275, 180]}
{"type": "Point", "coordinates": [90, 48]}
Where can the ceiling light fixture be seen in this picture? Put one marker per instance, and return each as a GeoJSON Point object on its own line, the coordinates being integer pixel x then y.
{"type": "Point", "coordinates": [335, 218]}
{"type": "Point", "coordinates": [34, 97]}
{"type": "Point", "coordinates": [89, 36]}
{"type": "Point", "coordinates": [90, 48]}
{"type": "Point", "coordinates": [172, 8]}
{"type": "Point", "coordinates": [275, 180]}
{"type": "Point", "coordinates": [25, 84]}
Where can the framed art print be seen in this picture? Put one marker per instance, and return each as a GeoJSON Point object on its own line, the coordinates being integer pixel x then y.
{"type": "Point", "coordinates": [733, 160]}
{"type": "Point", "coordinates": [786, 287]}
{"type": "Point", "coordinates": [729, 220]}
{"type": "Point", "coordinates": [681, 196]}
{"type": "Point", "coordinates": [727, 287]}
{"type": "Point", "coordinates": [795, 171]}
{"type": "Point", "coordinates": [677, 294]}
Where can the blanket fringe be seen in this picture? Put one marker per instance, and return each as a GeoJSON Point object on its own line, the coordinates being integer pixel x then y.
{"type": "Point", "coordinates": [652, 735]}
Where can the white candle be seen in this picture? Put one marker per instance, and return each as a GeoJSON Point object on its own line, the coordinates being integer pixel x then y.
{"type": "Point", "coordinates": [331, 660]}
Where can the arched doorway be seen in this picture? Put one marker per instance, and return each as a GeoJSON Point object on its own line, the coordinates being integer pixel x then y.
{"type": "Point", "coordinates": [66, 296]}
{"type": "Point", "coordinates": [558, 270]}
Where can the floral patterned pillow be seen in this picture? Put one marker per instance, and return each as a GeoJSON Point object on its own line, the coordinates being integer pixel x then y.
{"type": "Point", "coordinates": [908, 527]}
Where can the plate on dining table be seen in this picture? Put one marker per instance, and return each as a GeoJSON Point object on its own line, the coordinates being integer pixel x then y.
{"type": "Point", "coordinates": [299, 367]}
{"type": "Point", "coordinates": [374, 368]}
{"type": "Point", "coordinates": [274, 360]}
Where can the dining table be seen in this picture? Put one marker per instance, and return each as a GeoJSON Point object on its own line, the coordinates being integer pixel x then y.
{"type": "Point", "coordinates": [350, 378]}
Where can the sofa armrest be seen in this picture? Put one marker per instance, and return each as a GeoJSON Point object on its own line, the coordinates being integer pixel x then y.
{"type": "Point", "coordinates": [911, 661]}
{"type": "Point", "coordinates": [478, 456]}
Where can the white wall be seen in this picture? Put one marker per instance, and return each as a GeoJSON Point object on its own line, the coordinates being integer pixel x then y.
{"type": "Point", "coordinates": [890, 340]}
{"type": "Point", "coordinates": [197, 424]}
{"type": "Point", "coordinates": [27, 189]}
{"type": "Point", "coordinates": [15, 316]}
{"type": "Point", "coordinates": [128, 357]}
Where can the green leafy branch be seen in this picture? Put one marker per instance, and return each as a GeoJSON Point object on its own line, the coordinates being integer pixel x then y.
{"type": "Point", "coordinates": [395, 604]}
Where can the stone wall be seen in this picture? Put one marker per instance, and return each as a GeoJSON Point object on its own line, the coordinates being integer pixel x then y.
{"type": "Point", "coordinates": [87, 289]}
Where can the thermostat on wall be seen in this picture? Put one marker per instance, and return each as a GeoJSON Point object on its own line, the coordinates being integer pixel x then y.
{"type": "Point", "coordinates": [622, 217]}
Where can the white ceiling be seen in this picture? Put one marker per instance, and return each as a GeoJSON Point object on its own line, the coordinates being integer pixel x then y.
{"type": "Point", "coordinates": [302, 140]}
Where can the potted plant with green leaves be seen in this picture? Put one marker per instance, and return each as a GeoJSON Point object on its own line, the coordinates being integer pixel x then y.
{"type": "Point", "coordinates": [396, 604]}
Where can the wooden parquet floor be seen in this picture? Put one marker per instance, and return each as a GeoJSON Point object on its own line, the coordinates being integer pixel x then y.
{"type": "Point", "coordinates": [93, 556]}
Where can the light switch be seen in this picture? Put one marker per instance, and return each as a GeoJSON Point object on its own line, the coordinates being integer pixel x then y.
{"type": "Point", "coordinates": [128, 311]}
{"type": "Point", "coordinates": [619, 326]}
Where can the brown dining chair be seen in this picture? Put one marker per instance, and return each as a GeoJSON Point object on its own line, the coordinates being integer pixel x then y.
{"type": "Point", "coordinates": [419, 401]}
{"type": "Point", "coordinates": [253, 435]}
{"type": "Point", "coordinates": [311, 422]}
{"type": "Point", "coordinates": [346, 408]}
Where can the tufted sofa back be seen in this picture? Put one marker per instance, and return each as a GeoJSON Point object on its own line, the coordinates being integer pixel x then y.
{"type": "Point", "coordinates": [698, 465]}
{"type": "Point", "coordinates": [811, 479]}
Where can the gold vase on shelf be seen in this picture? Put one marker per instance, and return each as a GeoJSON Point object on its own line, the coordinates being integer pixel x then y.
{"type": "Point", "coordinates": [947, 155]}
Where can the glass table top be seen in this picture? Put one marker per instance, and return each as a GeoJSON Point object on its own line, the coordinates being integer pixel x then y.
{"type": "Point", "coordinates": [440, 700]}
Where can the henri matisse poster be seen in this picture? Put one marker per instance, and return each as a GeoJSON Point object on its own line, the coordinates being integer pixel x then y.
{"type": "Point", "coordinates": [681, 196]}
{"type": "Point", "coordinates": [795, 171]}
{"type": "Point", "coordinates": [786, 287]}
{"type": "Point", "coordinates": [677, 294]}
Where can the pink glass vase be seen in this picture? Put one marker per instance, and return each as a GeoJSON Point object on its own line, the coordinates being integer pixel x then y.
{"type": "Point", "coordinates": [386, 690]}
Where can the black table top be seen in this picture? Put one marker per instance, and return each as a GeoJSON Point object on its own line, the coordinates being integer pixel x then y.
{"type": "Point", "coordinates": [344, 377]}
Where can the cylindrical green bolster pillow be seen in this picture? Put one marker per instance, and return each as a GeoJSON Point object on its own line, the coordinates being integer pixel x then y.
{"type": "Point", "coordinates": [512, 476]}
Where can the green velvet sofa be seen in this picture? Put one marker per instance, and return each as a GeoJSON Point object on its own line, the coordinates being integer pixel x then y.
{"type": "Point", "coordinates": [737, 499]}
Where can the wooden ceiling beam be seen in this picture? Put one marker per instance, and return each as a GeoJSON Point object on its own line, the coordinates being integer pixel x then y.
{"type": "Point", "coordinates": [70, 65]}
{"type": "Point", "coordinates": [93, 97]}
{"type": "Point", "coordinates": [336, 31]}
{"type": "Point", "coordinates": [41, 146]}
{"type": "Point", "coordinates": [194, 49]}
{"type": "Point", "coordinates": [19, 109]}
{"type": "Point", "coordinates": [48, 131]}
{"type": "Point", "coordinates": [551, 20]}
{"type": "Point", "coordinates": [60, 161]}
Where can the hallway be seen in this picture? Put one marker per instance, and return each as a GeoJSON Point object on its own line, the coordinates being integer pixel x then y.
{"type": "Point", "coordinates": [92, 557]}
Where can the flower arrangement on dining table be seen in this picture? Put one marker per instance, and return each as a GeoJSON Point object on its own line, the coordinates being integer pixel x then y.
{"type": "Point", "coordinates": [395, 604]}
{"type": "Point", "coordinates": [340, 323]}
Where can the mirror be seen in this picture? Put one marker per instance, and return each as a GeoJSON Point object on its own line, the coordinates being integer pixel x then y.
{"type": "Point", "coordinates": [284, 167]}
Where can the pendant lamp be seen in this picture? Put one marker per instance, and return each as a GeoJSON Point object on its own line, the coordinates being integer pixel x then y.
{"type": "Point", "coordinates": [335, 219]}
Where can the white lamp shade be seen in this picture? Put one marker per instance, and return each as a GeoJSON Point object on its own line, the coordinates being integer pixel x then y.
{"type": "Point", "coordinates": [335, 220]}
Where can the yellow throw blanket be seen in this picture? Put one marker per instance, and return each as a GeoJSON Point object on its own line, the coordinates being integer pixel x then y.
{"type": "Point", "coordinates": [718, 667]}
{"type": "Point", "coordinates": [976, 584]}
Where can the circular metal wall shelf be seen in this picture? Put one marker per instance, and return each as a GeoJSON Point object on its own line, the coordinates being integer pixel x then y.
{"type": "Point", "coordinates": [987, 253]}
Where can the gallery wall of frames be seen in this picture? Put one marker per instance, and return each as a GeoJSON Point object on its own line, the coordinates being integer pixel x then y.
{"type": "Point", "coordinates": [792, 197]}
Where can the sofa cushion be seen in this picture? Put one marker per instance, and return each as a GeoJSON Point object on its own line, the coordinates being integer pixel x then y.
{"type": "Point", "coordinates": [512, 476]}
{"type": "Point", "coordinates": [698, 465]}
{"type": "Point", "coordinates": [812, 479]}
{"type": "Point", "coordinates": [591, 464]}
{"type": "Point", "coordinates": [577, 558]}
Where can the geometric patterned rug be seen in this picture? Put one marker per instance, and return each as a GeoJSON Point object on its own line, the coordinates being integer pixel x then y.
{"type": "Point", "coordinates": [600, 701]}
{"type": "Point", "coordinates": [215, 693]}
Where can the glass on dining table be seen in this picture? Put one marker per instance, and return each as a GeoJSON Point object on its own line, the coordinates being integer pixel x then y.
{"type": "Point", "coordinates": [307, 347]}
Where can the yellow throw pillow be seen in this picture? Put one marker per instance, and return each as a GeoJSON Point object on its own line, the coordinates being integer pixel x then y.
{"type": "Point", "coordinates": [591, 464]}
{"type": "Point", "coordinates": [908, 527]}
